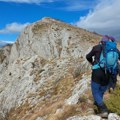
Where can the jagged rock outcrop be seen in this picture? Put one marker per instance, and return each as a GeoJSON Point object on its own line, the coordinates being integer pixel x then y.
{"type": "Point", "coordinates": [4, 57]}
{"type": "Point", "coordinates": [111, 116]}
{"type": "Point", "coordinates": [42, 75]}
{"type": "Point", "coordinates": [52, 39]}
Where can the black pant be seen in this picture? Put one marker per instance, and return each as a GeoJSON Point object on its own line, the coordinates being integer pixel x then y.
{"type": "Point", "coordinates": [112, 81]}
{"type": "Point", "coordinates": [99, 76]}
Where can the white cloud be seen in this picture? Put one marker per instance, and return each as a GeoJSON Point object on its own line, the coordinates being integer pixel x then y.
{"type": "Point", "coordinates": [77, 5]}
{"type": "Point", "coordinates": [6, 41]}
{"type": "Point", "coordinates": [28, 1]}
{"type": "Point", "coordinates": [103, 19]}
{"type": "Point", "coordinates": [13, 28]}
{"type": "Point", "coordinates": [68, 5]}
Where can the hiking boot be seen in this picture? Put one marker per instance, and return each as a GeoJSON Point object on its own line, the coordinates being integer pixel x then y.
{"type": "Point", "coordinates": [95, 103]}
{"type": "Point", "coordinates": [96, 111]}
{"type": "Point", "coordinates": [103, 111]}
{"type": "Point", "coordinates": [103, 114]}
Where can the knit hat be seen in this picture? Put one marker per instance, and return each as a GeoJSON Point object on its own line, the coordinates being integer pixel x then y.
{"type": "Point", "coordinates": [104, 38]}
{"type": "Point", "coordinates": [112, 38]}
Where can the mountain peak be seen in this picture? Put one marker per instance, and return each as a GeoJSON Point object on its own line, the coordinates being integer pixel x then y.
{"type": "Point", "coordinates": [49, 19]}
{"type": "Point", "coordinates": [44, 65]}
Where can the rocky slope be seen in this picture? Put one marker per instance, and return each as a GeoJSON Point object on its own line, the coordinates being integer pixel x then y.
{"type": "Point", "coordinates": [44, 74]}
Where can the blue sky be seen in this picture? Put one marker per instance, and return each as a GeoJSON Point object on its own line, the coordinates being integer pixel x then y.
{"type": "Point", "coordinates": [101, 16]}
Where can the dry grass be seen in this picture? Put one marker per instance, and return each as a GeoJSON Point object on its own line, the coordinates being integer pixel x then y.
{"type": "Point", "coordinates": [49, 108]}
{"type": "Point", "coordinates": [17, 113]}
{"type": "Point", "coordinates": [65, 113]}
{"type": "Point", "coordinates": [59, 92]}
{"type": "Point", "coordinates": [49, 111]}
{"type": "Point", "coordinates": [68, 111]}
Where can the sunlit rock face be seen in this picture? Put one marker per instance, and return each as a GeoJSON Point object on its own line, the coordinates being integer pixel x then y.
{"type": "Point", "coordinates": [45, 73]}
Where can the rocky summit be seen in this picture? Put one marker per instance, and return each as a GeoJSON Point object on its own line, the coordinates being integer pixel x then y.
{"type": "Point", "coordinates": [44, 75]}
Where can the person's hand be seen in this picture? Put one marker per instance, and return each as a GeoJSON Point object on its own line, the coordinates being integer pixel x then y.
{"type": "Point", "coordinates": [111, 90]}
{"type": "Point", "coordinates": [119, 67]}
{"type": "Point", "coordinates": [119, 62]}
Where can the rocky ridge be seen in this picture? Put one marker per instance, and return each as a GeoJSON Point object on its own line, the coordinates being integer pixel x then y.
{"type": "Point", "coordinates": [44, 74]}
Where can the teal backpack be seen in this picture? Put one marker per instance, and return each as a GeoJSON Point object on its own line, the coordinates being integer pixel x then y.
{"type": "Point", "coordinates": [108, 58]}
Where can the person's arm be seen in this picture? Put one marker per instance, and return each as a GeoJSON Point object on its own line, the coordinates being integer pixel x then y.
{"type": "Point", "coordinates": [90, 55]}
{"type": "Point", "coordinates": [119, 55]}
{"type": "Point", "coordinates": [118, 66]}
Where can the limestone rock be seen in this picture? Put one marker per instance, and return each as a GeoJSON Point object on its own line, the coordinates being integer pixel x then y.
{"type": "Point", "coordinates": [113, 116]}
{"type": "Point", "coordinates": [43, 66]}
{"type": "Point", "coordinates": [91, 117]}
{"type": "Point", "coordinates": [79, 90]}
{"type": "Point", "coordinates": [39, 118]}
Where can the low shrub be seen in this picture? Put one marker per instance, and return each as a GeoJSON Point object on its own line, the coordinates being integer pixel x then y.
{"type": "Point", "coordinates": [113, 103]}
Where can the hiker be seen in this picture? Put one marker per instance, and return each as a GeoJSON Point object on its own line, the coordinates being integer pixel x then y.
{"type": "Point", "coordinates": [101, 73]}
{"type": "Point", "coordinates": [113, 77]}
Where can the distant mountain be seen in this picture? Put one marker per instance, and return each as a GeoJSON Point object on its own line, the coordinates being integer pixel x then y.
{"type": "Point", "coordinates": [3, 43]}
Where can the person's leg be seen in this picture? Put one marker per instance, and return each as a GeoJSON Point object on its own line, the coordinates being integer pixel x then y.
{"type": "Point", "coordinates": [96, 93]}
{"type": "Point", "coordinates": [103, 90]}
{"type": "Point", "coordinates": [98, 98]}
{"type": "Point", "coordinates": [112, 82]}
{"type": "Point", "coordinates": [99, 79]}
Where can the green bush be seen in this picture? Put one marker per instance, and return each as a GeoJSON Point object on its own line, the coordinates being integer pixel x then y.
{"type": "Point", "coordinates": [113, 103]}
